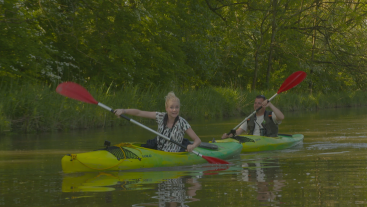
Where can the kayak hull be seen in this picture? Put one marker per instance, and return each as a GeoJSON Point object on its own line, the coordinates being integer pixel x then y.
{"type": "Point", "coordinates": [254, 143]}
{"type": "Point", "coordinates": [127, 156]}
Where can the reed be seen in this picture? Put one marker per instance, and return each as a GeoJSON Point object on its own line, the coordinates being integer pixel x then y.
{"type": "Point", "coordinates": [35, 108]}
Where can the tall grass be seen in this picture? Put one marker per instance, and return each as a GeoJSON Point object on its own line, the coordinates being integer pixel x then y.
{"type": "Point", "coordinates": [36, 108]}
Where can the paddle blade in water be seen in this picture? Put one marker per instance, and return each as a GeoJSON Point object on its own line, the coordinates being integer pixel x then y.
{"type": "Point", "coordinates": [75, 91]}
{"type": "Point", "coordinates": [214, 160]}
{"type": "Point", "coordinates": [293, 80]}
{"type": "Point", "coordinates": [215, 171]}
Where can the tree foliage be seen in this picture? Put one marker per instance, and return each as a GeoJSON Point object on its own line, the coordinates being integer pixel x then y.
{"type": "Point", "coordinates": [187, 43]}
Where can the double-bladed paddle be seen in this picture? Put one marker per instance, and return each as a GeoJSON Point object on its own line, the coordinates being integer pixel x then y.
{"type": "Point", "coordinates": [293, 80]}
{"type": "Point", "coordinates": [76, 91]}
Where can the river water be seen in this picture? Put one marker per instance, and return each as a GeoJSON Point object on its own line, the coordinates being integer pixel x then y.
{"type": "Point", "coordinates": [328, 169]}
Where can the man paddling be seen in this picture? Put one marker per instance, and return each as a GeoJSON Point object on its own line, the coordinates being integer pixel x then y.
{"type": "Point", "coordinates": [264, 123]}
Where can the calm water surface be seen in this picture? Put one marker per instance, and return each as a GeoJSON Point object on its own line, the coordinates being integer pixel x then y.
{"type": "Point", "coordinates": [328, 169]}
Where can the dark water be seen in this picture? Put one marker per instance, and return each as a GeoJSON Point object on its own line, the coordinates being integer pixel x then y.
{"type": "Point", "coordinates": [328, 169]}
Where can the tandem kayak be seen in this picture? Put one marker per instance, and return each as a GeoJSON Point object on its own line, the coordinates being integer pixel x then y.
{"type": "Point", "coordinates": [254, 143]}
{"type": "Point", "coordinates": [128, 156]}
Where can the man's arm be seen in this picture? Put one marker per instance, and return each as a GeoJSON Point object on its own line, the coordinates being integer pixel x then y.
{"type": "Point", "coordinates": [238, 132]}
{"type": "Point", "coordinates": [279, 115]}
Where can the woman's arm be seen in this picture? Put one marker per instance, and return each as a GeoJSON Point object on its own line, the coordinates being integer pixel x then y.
{"type": "Point", "coordinates": [136, 112]}
{"type": "Point", "coordinates": [194, 137]}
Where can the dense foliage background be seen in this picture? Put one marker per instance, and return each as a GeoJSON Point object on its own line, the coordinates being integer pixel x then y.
{"type": "Point", "coordinates": [187, 43]}
{"type": "Point", "coordinates": [181, 45]}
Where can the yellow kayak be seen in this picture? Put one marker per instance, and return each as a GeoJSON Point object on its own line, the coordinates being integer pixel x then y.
{"type": "Point", "coordinates": [128, 156]}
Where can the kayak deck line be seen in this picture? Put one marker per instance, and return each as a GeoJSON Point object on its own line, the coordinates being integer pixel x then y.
{"type": "Point", "coordinates": [243, 139]}
{"type": "Point", "coordinates": [120, 151]}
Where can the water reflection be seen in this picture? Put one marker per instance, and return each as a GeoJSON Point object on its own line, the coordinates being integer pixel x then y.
{"type": "Point", "coordinates": [111, 181]}
{"type": "Point", "coordinates": [180, 187]}
{"type": "Point", "coordinates": [267, 177]}
{"type": "Point", "coordinates": [172, 187]}
{"type": "Point", "coordinates": [173, 192]}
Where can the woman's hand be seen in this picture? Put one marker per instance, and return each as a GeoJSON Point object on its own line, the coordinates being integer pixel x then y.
{"type": "Point", "coordinates": [190, 148]}
{"type": "Point", "coordinates": [194, 137]}
{"type": "Point", "coordinates": [118, 112]}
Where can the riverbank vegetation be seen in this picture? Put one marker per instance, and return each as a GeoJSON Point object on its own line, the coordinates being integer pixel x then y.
{"type": "Point", "coordinates": [216, 55]}
{"type": "Point", "coordinates": [36, 108]}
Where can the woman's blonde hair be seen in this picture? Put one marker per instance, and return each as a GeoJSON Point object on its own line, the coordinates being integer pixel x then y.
{"type": "Point", "coordinates": [171, 97]}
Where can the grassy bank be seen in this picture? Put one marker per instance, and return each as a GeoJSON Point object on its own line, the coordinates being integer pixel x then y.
{"type": "Point", "coordinates": [36, 108]}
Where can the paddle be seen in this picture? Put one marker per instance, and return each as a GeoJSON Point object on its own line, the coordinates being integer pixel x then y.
{"type": "Point", "coordinates": [293, 80]}
{"type": "Point", "coordinates": [75, 91]}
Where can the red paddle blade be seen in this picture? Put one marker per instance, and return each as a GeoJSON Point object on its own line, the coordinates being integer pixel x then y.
{"type": "Point", "coordinates": [292, 80]}
{"type": "Point", "coordinates": [214, 160]}
{"type": "Point", "coordinates": [215, 171]}
{"type": "Point", "coordinates": [75, 91]}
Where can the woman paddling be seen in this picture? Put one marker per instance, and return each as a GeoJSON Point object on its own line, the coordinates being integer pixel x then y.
{"type": "Point", "coordinates": [169, 124]}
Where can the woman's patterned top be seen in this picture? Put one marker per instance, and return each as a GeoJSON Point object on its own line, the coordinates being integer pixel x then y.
{"type": "Point", "coordinates": [177, 133]}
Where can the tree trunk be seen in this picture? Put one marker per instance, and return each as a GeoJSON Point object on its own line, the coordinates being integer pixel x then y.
{"type": "Point", "coordinates": [272, 42]}
{"type": "Point", "coordinates": [257, 63]}
{"type": "Point", "coordinates": [313, 45]}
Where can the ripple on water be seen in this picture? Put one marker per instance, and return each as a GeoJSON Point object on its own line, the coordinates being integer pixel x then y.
{"type": "Point", "coordinates": [328, 146]}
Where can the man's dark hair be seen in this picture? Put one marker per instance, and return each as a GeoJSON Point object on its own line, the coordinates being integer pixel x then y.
{"type": "Point", "coordinates": [261, 96]}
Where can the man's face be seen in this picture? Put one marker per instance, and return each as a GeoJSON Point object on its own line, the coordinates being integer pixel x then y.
{"type": "Point", "coordinates": [258, 103]}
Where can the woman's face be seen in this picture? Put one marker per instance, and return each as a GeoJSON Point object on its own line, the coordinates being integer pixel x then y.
{"type": "Point", "coordinates": [173, 108]}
